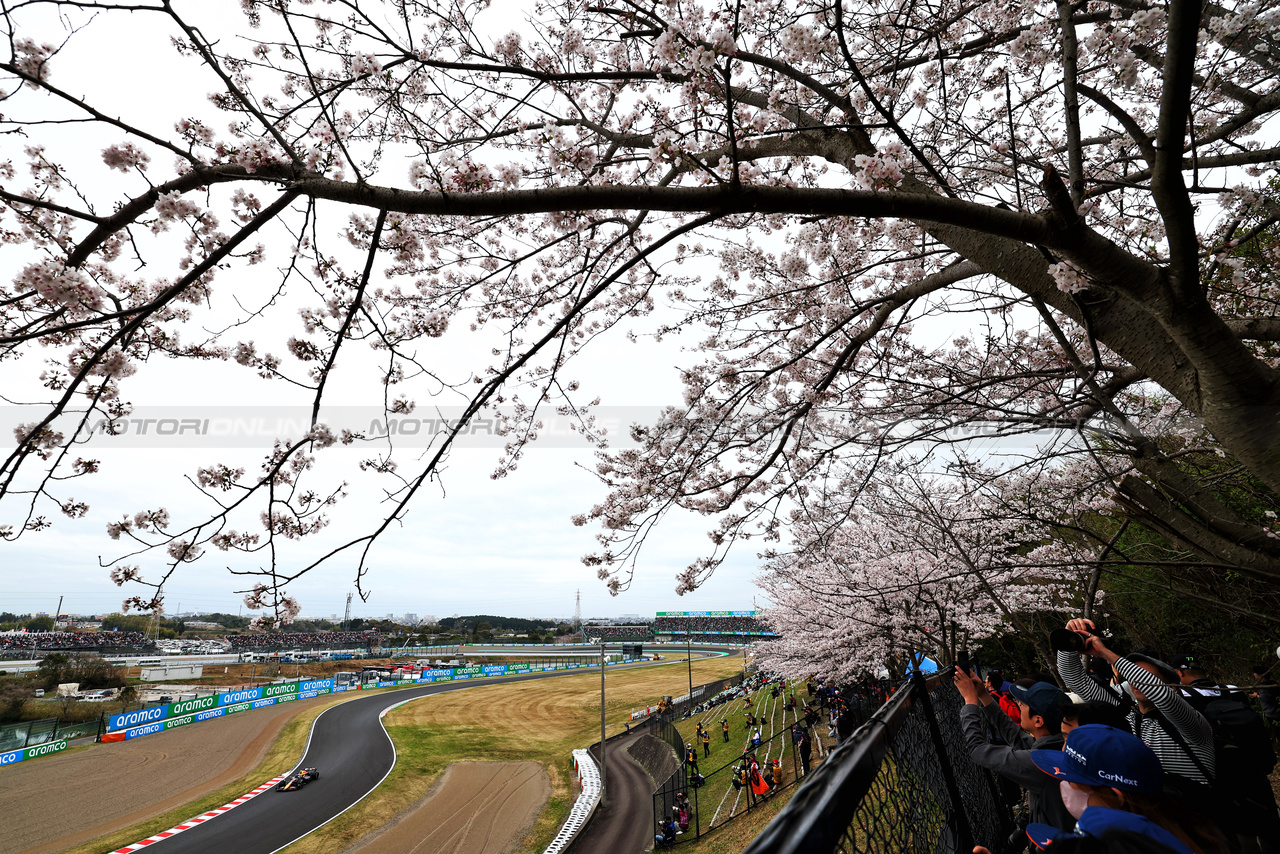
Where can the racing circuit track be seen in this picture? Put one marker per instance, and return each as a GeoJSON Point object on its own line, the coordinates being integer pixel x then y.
{"type": "Point", "coordinates": [353, 753]}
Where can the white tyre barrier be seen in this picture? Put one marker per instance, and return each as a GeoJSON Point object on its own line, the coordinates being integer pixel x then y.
{"type": "Point", "coordinates": [584, 806]}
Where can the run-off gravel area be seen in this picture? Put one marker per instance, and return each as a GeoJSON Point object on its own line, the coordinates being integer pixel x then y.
{"type": "Point", "coordinates": [50, 804]}
{"type": "Point", "coordinates": [475, 808]}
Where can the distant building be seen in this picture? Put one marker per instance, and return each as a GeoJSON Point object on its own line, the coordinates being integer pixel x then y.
{"type": "Point", "coordinates": [410, 619]}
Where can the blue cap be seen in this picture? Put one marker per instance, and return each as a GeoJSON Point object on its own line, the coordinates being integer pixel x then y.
{"type": "Point", "coordinates": [1044, 699]}
{"type": "Point", "coordinates": [1098, 821]}
{"type": "Point", "coordinates": [1098, 755]}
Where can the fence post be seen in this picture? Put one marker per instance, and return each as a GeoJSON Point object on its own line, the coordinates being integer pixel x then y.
{"type": "Point", "coordinates": [697, 818]}
{"type": "Point", "coordinates": [963, 831]}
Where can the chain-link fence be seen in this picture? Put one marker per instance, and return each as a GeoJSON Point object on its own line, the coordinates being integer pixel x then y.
{"type": "Point", "coordinates": [714, 797]}
{"type": "Point", "coordinates": [903, 782]}
{"type": "Point", "coordinates": [731, 772]}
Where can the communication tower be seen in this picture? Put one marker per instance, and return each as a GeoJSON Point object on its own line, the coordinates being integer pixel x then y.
{"type": "Point", "coordinates": [577, 610]}
{"type": "Point", "coordinates": [346, 617]}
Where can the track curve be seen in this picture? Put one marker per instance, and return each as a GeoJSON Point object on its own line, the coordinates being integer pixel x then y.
{"type": "Point", "coordinates": [354, 754]}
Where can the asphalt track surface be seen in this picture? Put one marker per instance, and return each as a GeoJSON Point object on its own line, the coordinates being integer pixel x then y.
{"type": "Point", "coordinates": [352, 752]}
{"type": "Point", "coordinates": [624, 825]}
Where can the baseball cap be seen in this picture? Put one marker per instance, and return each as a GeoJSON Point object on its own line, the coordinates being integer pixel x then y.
{"type": "Point", "coordinates": [1167, 671]}
{"type": "Point", "coordinates": [1099, 755]}
{"type": "Point", "coordinates": [1098, 821]}
{"type": "Point", "coordinates": [1044, 699]}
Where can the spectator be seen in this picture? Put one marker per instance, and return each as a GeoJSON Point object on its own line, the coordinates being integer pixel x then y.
{"type": "Point", "coordinates": [691, 757]}
{"type": "Point", "coordinates": [1092, 712]}
{"type": "Point", "coordinates": [844, 726]}
{"type": "Point", "coordinates": [1101, 766]}
{"type": "Point", "coordinates": [999, 689]}
{"type": "Point", "coordinates": [1245, 756]}
{"type": "Point", "coordinates": [804, 744]}
{"type": "Point", "coordinates": [289, 640]}
{"type": "Point", "coordinates": [710, 626]}
{"type": "Point", "coordinates": [638, 634]}
{"type": "Point", "coordinates": [1129, 834]}
{"type": "Point", "coordinates": [30, 641]}
{"type": "Point", "coordinates": [667, 837]}
{"type": "Point", "coordinates": [759, 787]}
{"type": "Point", "coordinates": [1180, 736]}
{"type": "Point", "coordinates": [1041, 718]}
{"type": "Point", "coordinates": [1192, 675]}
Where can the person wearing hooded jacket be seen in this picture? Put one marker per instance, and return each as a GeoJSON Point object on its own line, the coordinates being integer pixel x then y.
{"type": "Point", "coordinates": [1040, 707]}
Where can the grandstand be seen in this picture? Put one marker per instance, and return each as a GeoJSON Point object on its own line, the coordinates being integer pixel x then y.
{"type": "Point", "coordinates": [709, 626]}
{"type": "Point", "coordinates": [295, 640]}
{"type": "Point", "coordinates": [22, 644]}
{"type": "Point", "coordinates": [639, 634]}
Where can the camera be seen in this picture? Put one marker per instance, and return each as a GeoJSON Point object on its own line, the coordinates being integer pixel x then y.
{"type": "Point", "coordinates": [1065, 640]}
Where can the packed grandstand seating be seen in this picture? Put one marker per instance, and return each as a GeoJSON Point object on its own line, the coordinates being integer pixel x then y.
{"type": "Point", "coordinates": [70, 640]}
{"type": "Point", "coordinates": [290, 640]}
{"type": "Point", "coordinates": [695, 625]}
{"type": "Point", "coordinates": [618, 633]}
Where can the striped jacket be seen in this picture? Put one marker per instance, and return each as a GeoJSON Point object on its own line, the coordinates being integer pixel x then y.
{"type": "Point", "coordinates": [1174, 712]}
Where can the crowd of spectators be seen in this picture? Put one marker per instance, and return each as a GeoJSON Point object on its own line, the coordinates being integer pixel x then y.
{"type": "Point", "coordinates": [20, 641]}
{"type": "Point", "coordinates": [1135, 744]}
{"type": "Point", "coordinates": [710, 625]}
{"type": "Point", "coordinates": [617, 633]}
{"type": "Point", "coordinates": [292, 640]}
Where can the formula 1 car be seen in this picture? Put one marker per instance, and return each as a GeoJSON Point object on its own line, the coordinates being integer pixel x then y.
{"type": "Point", "coordinates": [297, 780]}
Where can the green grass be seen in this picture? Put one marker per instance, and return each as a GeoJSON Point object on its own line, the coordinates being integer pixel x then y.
{"type": "Point", "coordinates": [718, 801]}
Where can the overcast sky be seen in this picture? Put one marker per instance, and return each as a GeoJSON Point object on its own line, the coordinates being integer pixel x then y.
{"type": "Point", "coordinates": [505, 546]}
{"type": "Point", "coordinates": [502, 546]}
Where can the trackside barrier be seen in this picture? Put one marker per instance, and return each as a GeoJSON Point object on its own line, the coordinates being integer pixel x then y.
{"type": "Point", "coordinates": [584, 806]}
{"type": "Point", "coordinates": [46, 749]}
{"type": "Point", "coordinates": [156, 719]}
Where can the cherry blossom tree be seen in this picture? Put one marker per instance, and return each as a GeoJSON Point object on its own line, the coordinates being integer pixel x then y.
{"type": "Point", "coordinates": [922, 563]}
{"type": "Point", "coordinates": [926, 215]}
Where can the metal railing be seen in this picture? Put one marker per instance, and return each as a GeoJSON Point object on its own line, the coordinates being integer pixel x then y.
{"type": "Point", "coordinates": [16, 736]}
{"type": "Point", "coordinates": [903, 782]}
